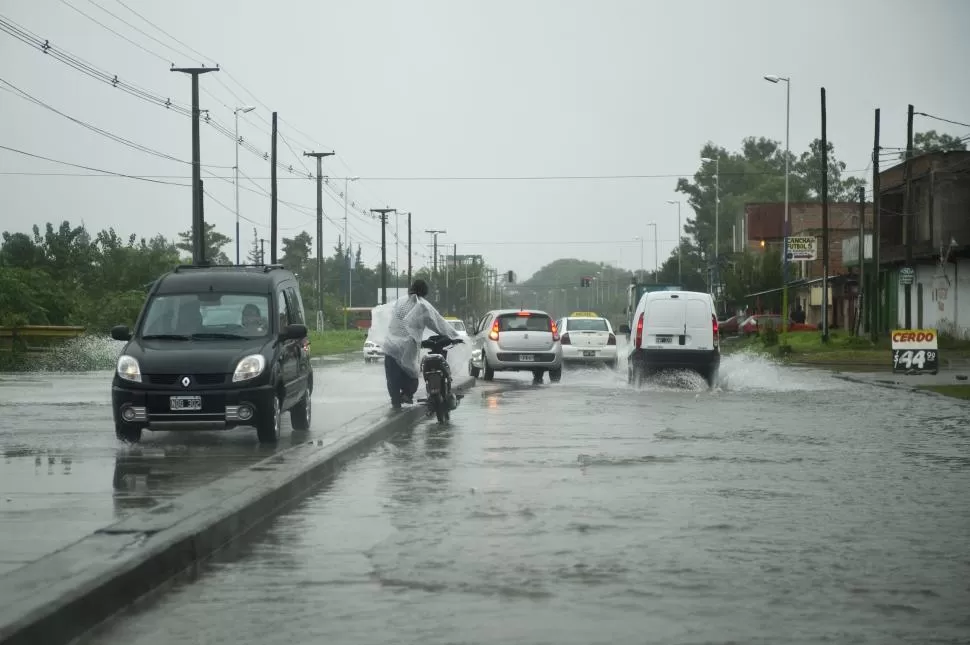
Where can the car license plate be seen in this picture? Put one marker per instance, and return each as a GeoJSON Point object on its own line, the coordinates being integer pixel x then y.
{"type": "Point", "coordinates": [185, 403]}
{"type": "Point", "coordinates": [526, 358]}
{"type": "Point", "coordinates": [665, 339]}
{"type": "Point", "coordinates": [589, 353]}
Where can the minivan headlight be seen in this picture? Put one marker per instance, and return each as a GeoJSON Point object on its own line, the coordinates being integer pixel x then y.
{"type": "Point", "coordinates": [249, 368]}
{"type": "Point", "coordinates": [128, 369]}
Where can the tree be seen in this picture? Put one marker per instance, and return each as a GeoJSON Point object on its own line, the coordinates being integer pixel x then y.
{"type": "Point", "coordinates": [931, 141]}
{"type": "Point", "coordinates": [808, 170]}
{"type": "Point", "coordinates": [214, 241]}
{"type": "Point", "coordinates": [255, 255]}
{"type": "Point", "coordinates": [296, 253]}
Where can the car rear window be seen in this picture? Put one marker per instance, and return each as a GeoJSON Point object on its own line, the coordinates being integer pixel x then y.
{"type": "Point", "coordinates": [586, 324]}
{"type": "Point", "coordinates": [532, 322]}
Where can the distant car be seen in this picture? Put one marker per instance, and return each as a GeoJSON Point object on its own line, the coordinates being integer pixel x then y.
{"type": "Point", "coordinates": [731, 325]}
{"type": "Point", "coordinates": [215, 347]}
{"type": "Point", "coordinates": [587, 338]}
{"type": "Point", "coordinates": [674, 330]}
{"type": "Point", "coordinates": [758, 322]}
{"type": "Point", "coordinates": [516, 340]}
{"type": "Point", "coordinates": [372, 351]}
{"type": "Point", "coordinates": [459, 326]}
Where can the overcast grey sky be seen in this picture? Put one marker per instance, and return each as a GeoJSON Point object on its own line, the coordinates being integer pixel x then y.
{"type": "Point", "coordinates": [449, 88]}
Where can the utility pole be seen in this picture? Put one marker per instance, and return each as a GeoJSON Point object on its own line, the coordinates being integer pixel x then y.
{"type": "Point", "coordinates": [348, 260]}
{"type": "Point", "coordinates": [908, 218]}
{"type": "Point", "coordinates": [434, 233]}
{"type": "Point", "coordinates": [863, 297]}
{"type": "Point", "coordinates": [235, 168]}
{"type": "Point", "coordinates": [382, 212]}
{"type": "Point", "coordinates": [273, 195]}
{"type": "Point", "coordinates": [875, 308]}
{"type": "Point", "coordinates": [409, 249]}
{"type": "Point", "coordinates": [319, 157]}
{"type": "Point", "coordinates": [198, 222]}
{"type": "Point", "coordinates": [825, 226]}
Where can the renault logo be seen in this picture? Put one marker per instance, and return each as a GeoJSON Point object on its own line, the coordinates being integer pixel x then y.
{"type": "Point", "coordinates": [186, 381]}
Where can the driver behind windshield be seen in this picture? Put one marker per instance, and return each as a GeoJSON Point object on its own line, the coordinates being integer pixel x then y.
{"type": "Point", "coordinates": [252, 320]}
{"type": "Point", "coordinates": [410, 316]}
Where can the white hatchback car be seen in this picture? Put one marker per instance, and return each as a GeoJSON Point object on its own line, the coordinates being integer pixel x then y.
{"type": "Point", "coordinates": [516, 340]}
{"type": "Point", "coordinates": [587, 338]}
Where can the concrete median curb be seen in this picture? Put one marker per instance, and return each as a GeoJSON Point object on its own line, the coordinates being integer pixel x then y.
{"type": "Point", "coordinates": [62, 596]}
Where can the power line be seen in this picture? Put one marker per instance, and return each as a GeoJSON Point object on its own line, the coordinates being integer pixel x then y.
{"type": "Point", "coordinates": [939, 118]}
{"type": "Point", "coordinates": [101, 170]}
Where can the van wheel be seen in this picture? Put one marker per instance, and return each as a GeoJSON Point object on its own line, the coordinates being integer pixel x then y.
{"type": "Point", "coordinates": [487, 372]}
{"type": "Point", "coordinates": [127, 434]}
{"type": "Point", "coordinates": [555, 375]}
{"type": "Point", "coordinates": [268, 424]}
{"type": "Point", "coordinates": [473, 371]}
{"type": "Point", "coordinates": [302, 414]}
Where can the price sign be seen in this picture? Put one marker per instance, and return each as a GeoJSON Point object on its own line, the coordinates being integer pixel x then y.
{"type": "Point", "coordinates": [915, 351]}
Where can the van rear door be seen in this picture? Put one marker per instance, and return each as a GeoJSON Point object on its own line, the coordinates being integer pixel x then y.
{"type": "Point", "coordinates": [699, 327]}
{"type": "Point", "coordinates": [664, 322]}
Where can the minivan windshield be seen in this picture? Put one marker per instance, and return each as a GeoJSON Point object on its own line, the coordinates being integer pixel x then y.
{"type": "Point", "coordinates": [207, 315]}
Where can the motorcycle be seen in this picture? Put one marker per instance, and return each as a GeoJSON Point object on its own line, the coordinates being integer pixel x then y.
{"type": "Point", "coordinates": [437, 377]}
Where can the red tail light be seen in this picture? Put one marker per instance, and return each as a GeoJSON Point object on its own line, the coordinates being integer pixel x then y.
{"type": "Point", "coordinates": [715, 328]}
{"type": "Point", "coordinates": [565, 339]}
{"type": "Point", "coordinates": [611, 340]}
{"type": "Point", "coordinates": [639, 336]}
{"type": "Point", "coordinates": [554, 330]}
{"type": "Point", "coordinates": [493, 335]}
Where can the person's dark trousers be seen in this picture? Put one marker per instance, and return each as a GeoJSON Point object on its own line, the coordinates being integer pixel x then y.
{"type": "Point", "coordinates": [399, 382]}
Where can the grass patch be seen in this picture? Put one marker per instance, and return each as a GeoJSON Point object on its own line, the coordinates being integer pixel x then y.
{"type": "Point", "coordinates": [956, 391]}
{"type": "Point", "coordinates": [841, 349]}
{"type": "Point", "coordinates": [337, 341]}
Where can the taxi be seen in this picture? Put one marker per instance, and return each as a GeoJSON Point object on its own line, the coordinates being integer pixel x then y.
{"type": "Point", "coordinates": [587, 337]}
{"type": "Point", "coordinates": [458, 324]}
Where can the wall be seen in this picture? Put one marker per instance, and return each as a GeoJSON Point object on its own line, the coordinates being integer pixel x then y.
{"type": "Point", "coordinates": [944, 306]}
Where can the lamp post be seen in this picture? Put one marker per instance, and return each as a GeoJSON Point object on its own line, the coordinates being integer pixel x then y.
{"type": "Point", "coordinates": [348, 253]}
{"type": "Point", "coordinates": [717, 222]}
{"type": "Point", "coordinates": [236, 169]}
{"type": "Point", "coordinates": [680, 277]}
{"type": "Point", "coordinates": [784, 287]}
{"type": "Point", "coordinates": [656, 253]}
{"type": "Point", "coordinates": [640, 237]}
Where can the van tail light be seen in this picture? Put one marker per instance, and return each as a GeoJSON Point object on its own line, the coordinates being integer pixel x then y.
{"type": "Point", "coordinates": [493, 335]}
{"type": "Point", "coordinates": [715, 328]}
{"type": "Point", "coordinates": [554, 330]}
{"type": "Point", "coordinates": [565, 339]}
{"type": "Point", "coordinates": [611, 340]}
{"type": "Point", "coordinates": [639, 336]}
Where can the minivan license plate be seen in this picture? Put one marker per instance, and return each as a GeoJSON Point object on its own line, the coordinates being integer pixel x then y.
{"type": "Point", "coordinates": [526, 358]}
{"type": "Point", "coordinates": [589, 353]}
{"type": "Point", "coordinates": [185, 403]}
{"type": "Point", "coordinates": [665, 339]}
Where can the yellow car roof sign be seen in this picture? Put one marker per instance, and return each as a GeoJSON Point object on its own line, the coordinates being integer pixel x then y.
{"type": "Point", "coordinates": [584, 314]}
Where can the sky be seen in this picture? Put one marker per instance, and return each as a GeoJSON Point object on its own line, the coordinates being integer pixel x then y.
{"type": "Point", "coordinates": [450, 110]}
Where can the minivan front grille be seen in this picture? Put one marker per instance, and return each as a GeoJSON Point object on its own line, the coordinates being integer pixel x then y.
{"type": "Point", "coordinates": [198, 379]}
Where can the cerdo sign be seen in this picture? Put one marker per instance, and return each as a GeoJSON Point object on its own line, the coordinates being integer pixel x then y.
{"type": "Point", "coordinates": [915, 351]}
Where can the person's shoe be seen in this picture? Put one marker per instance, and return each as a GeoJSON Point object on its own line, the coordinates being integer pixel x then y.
{"type": "Point", "coordinates": [407, 398]}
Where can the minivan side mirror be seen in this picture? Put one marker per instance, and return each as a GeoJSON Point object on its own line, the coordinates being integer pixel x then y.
{"type": "Point", "coordinates": [294, 331]}
{"type": "Point", "coordinates": [121, 332]}
{"type": "Point", "coordinates": [625, 329]}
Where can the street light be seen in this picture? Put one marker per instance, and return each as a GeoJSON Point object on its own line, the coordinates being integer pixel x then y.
{"type": "Point", "coordinates": [717, 217]}
{"type": "Point", "coordinates": [784, 287]}
{"type": "Point", "coordinates": [236, 112]}
{"type": "Point", "coordinates": [680, 278]}
{"type": "Point", "coordinates": [349, 251]}
{"type": "Point", "coordinates": [640, 237]}
{"type": "Point", "coordinates": [656, 254]}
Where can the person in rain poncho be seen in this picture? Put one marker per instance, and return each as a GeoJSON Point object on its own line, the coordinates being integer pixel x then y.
{"type": "Point", "coordinates": [410, 316]}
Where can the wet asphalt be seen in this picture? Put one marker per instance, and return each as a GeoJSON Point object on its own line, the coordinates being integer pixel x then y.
{"type": "Point", "coordinates": [784, 506]}
{"type": "Point", "coordinates": [63, 475]}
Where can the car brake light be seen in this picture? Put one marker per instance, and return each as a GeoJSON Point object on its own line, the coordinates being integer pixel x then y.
{"type": "Point", "coordinates": [611, 340]}
{"type": "Point", "coordinates": [639, 336]}
{"type": "Point", "coordinates": [523, 313]}
{"type": "Point", "coordinates": [493, 335]}
{"type": "Point", "coordinates": [552, 328]}
{"type": "Point", "coordinates": [715, 328]}
{"type": "Point", "coordinates": [565, 339]}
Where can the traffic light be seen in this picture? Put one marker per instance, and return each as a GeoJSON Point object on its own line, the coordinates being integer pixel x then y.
{"type": "Point", "coordinates": [510, 277]}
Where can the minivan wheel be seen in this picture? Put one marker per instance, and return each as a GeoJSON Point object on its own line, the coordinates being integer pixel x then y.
{"type": "Point", "coordinates": [127, 434]}
{"type": "Point", "coordinates": [268, 426]}
{"type": "Point", "coordinates": [302, 414]}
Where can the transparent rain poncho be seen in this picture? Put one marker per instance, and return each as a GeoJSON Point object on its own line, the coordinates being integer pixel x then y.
{"type": "Point", "coordinates": [400, 326]}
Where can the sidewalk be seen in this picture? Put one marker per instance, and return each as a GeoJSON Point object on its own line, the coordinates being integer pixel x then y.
{"type": "Point", "coordinates": [957, 376]}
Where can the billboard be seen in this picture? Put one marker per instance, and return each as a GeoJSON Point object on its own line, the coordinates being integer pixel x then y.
{"type": "Point", "coordinates": [801, 248]}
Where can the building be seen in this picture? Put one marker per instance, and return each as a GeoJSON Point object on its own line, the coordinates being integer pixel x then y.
{"type": "Point", "coordinates": [940, 244]}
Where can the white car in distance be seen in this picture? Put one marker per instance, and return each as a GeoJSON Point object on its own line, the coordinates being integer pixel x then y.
{"type": "Point", "coordinates": [587, 338]}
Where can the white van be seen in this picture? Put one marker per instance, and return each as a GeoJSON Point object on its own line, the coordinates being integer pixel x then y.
{"type": "Point", "coordinates": [674, 330]}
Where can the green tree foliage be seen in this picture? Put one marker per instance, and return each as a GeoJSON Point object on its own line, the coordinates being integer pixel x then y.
{"type": "Point", "coordinates": [932, 141]}
{"type": "Point", "coordinates": [214, 242]}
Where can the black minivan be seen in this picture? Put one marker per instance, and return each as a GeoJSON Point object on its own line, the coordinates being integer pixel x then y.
{"type": "Point", "coordinates": [215, 347]}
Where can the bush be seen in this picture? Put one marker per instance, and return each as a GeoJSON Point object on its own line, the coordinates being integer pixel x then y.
{"type": "Point", "coordinates": [769, 335]}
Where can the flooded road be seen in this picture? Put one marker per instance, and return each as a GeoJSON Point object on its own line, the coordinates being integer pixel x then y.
{"type": "Point", "coordinates": [63, 474]}
{"type": "Point", "coordinates": [785, 506]}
